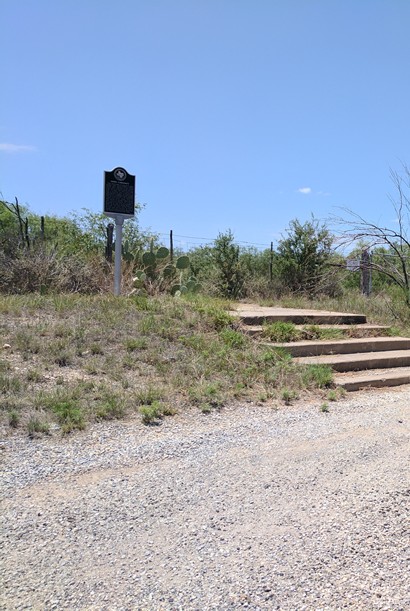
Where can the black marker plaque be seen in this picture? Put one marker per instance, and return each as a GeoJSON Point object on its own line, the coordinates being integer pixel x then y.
{"type": "Point", "coordinates": [119, 193]}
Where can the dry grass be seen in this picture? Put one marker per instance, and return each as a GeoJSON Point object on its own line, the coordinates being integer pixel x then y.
{"type": "Point", "coordinates": [66, 360]}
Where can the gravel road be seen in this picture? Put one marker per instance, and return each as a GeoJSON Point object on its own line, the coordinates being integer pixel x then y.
{"type": "Point", "coordinates": [249, 508]}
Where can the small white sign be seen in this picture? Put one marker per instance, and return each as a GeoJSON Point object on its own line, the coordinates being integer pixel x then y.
{"type": "Point", "coordinates": [353, 265]}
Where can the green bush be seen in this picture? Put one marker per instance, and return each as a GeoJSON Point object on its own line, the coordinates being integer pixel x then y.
{"type": "Point", "coordinates": [302, 258]}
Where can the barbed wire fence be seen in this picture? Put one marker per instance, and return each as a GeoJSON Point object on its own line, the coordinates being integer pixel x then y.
{"type": "Point", "coordinates": [184, 243]}
{"type": "Point", "coordinates": [188, 242]}
{"type": "Point", "coordinates": [362, 263]}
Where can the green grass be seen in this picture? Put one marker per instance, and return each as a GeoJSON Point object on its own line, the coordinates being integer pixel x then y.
{"type": "Point", "coordinates": [280, 331]}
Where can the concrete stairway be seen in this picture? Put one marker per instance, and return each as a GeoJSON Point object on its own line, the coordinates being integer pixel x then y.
{"type": "Point", "coordinates": [369, 359]}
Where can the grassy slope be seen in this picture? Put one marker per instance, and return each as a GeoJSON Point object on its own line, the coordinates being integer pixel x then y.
{"type": "Point", "coordinates": [67, 360]}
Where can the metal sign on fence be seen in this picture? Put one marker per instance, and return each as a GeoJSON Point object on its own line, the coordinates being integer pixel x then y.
{"type": "Point", "coordinates": [352, 265]}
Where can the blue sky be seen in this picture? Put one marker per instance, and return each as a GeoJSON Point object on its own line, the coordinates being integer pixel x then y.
{"type": "Point", "coordinates": [240, 114]}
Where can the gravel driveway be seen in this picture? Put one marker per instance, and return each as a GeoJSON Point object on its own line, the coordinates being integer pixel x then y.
{"type": "Point", "coordinates": [249, 508]}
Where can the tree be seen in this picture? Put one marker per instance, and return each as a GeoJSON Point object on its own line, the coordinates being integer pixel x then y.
{"type": "Point", "coordinates": [392, 244]}
{"type": "Point", "coordinates": [230, 275]}
{"type": "Point", "coordinates": [14, 229]}
{"type": "Point", "coordinates": [302, 257]}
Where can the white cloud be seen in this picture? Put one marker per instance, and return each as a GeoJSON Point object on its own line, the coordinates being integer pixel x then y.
{"type": "Point", "coordinates": [16, 148]}
{"type": "Point", "coordinates": [305, 190]}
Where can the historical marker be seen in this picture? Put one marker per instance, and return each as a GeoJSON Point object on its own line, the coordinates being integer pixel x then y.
{"type": "Point", "coordinates": [119, 203]}
{"type": "Point", "coordinates": [119, 193]}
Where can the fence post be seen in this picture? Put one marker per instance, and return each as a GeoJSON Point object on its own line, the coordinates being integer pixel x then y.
{"type": "Point", "coordinates": [271, 262]}
{"type": "Point", "coordinates": [26, 235]}
{"type": "Point", "coordinates": [108, 248]}
{"type": "Point", "coordinates": [365, 273]}
{"type": "Point", "coordinates": [171, 246]}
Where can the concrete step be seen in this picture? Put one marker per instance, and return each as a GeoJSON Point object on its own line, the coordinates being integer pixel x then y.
{"type": "Point", "coordinates": [360, 361]}
{"type": "Point", "coordinates": [305, 319]}
{"type": "Point", "coordinates": [256, 315]}
{"type": "Point", "coordinates": [368, 359]}
{"type": "Point", "coordinates": [373, 378]}
{"type": "Point", "coordinates": [362, 330]}
{"type": "Point", "coordinates": [343, 346]}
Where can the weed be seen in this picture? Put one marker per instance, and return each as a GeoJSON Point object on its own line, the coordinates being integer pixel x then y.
{"type": "Point", "coordinates": [63, 359]}
{"type": "Point", "coordinates": [167, 410]}
{"type": "Point", "coordinates": [9, 384]}
{"type": "Point", "coordinates": [14, 419]}
{"type": "Point", "coordinates": [110, 406]}
{"type": "Point", "coordinates": [4, 366]}
{"type": "Point", "coordinates": [318, 376]}
{"type": "Point", "coordinates": [197, 341]}
{"type": "Point", "coordinates": [331, 334]}
{"type": "Point", "coordinates": [148, 324]}
{"type": "Point", "coordinates": [213, 313]}
{"type": "Point", "coordinates": [288, 396]}
{"type": "Point", "coordinates": [324, 408]}
{"type": "Point", "coordinates": [280, 331]}
{"type": "Point", "coordinates": [336, 394]}
{"type": "Point", "coordinates": [143, 304]}
{"type": "Point", "coordinates": [27, 343]}
{"type": "Point", "coordinates": [268, 357]}
{"type": "Point", "coordinates": [317, 332]}
{"type": "Point", "coordinates": [62, 330]}
{"type": "Point", "coordinates": [206, 394]}
{"type": "Point", "coordinates": [151, 413]}
{"type": "Point", "coordinates": [393, 331]}
{"type": "Point", "coordinates": [232, 338]}
{"type": "Point", "coordinates": [33, 375]}
{"type": "Point", "coordinates": [65, 405]}
{"type": "Point", "coordinates": [91, 367]}
{"type": "Point", "coordinates": [61, 352]}
{"type": "Point", "coordinates": [133, 344]}
{"type": "Point", "coordinates": [128, 362]}
{"type": "Point", "coordinates": [34, 425]}
{"type": "Point", "coordinates": [96, 349]}
{"type": "Point", "coordinates": [148, 396]}
{"type": "Point", "coordinates": [69, 414]}
{"type": "Point", "coordinates": [277, 354]}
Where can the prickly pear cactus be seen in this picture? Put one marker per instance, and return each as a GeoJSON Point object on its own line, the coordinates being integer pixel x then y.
{"type": "Point", "coordinates": [159, 274]}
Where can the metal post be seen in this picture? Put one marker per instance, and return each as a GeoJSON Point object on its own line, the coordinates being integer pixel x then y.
{"type": "Point", "coordinates": [171, 246]}
{"type": "Point", "coordinates": [118, 251]}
